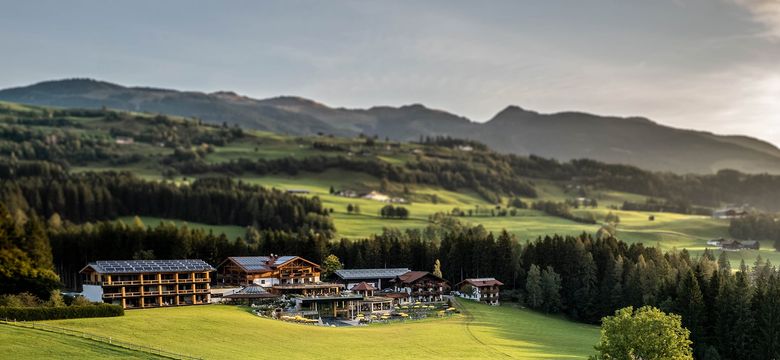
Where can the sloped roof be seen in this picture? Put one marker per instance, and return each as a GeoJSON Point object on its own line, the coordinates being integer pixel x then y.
{"type": "Point", "coordinates": [413, 276]}
{"type": "Point", "coordinates": [251, 292]}
{"type": "Point", "coordinates": [363, 286]}
{"type": "Point", "coordinates": [480, 282]}
{"type": "Point", "coordinates": [263, 263]}
{"type": "Point", "coordinates": [352, 274]}
{"type": "Point", "coordinates": [146, 266]}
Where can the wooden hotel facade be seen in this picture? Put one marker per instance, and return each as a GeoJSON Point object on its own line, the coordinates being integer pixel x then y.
{"type": "Point", "coordinates": [148, 283]}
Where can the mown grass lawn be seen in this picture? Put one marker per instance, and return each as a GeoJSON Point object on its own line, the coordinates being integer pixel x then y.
{"type": "Point", "coordinates": [23, 343]}
{"type": "Point", "coordinates": [222, 331]}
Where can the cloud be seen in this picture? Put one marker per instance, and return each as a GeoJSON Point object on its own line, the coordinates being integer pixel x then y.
{"type": "Point", "coordinates": [766, 12]}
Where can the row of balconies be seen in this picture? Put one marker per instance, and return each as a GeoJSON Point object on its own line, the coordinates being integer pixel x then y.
{"type": "Point", "coordinates": [154, 281]}
{"type": "Point", "coordinates": [156, 293]}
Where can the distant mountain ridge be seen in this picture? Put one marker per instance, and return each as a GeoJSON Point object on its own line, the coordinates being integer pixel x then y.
{"type": "Point", "coordinates": [567, 135]}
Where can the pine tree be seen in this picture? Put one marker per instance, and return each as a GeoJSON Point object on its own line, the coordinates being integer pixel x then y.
{"type": "Point", "coordinates": [767, 326]}
{"type": "Point", "coordinates": [690, 305]}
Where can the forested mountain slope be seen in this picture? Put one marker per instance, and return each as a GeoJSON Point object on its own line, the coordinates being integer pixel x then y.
{"type": "Point", "coordinates": [564, 136]}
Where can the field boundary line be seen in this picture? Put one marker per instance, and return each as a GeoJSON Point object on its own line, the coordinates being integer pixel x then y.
{"type": "Point", "coordinates": [31, 325]}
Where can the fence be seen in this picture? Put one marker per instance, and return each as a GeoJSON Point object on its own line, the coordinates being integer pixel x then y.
{"type": "Point", "coordinates": [106, 340]}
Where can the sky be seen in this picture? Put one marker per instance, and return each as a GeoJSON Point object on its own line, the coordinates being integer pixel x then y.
{"type": "Point", "coordinates": [701, 64]}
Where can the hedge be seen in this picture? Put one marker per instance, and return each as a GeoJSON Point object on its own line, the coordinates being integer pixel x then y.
{"type": "Point", "coordinates": [63, 312]}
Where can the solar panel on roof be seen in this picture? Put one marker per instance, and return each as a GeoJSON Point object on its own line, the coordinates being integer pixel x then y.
{"type": "Point", "coordinates": [135, 266]}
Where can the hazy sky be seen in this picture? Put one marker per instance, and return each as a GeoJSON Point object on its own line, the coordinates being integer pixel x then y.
{"type": "Point", "coordinates": [703, 64]}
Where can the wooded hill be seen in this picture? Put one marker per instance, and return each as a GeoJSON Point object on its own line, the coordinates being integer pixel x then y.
{"type": "Point", "coordinates": [45, 140]}
{"type": "Point", "coordinates": [567, 135]}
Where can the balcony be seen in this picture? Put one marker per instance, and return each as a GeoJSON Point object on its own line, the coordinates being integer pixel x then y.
{"type": "Point", "coordinates": [122, 282]}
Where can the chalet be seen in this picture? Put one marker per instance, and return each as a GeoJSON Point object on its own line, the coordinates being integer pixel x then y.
{"type": "Point", "coordinates": [378, 278]}
{"type": "Point", "coordinates": [421, 286]}
{"type": "Point", "coordinates": [279, 274]}
{"type": "Point", "coordinates": [483, 289]}
{"type": "Point", "coordinates": [147, 283]}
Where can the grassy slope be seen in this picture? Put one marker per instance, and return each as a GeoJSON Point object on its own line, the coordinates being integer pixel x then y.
{"type": "Point", "coordinates": [231, 231]}
{"type": "Point", "coordinates": [488, 332]}
{"type": "Point", "coordinates": [22, 343]}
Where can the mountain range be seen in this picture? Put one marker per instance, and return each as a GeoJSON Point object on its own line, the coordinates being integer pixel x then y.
{"type": "Point", "coordinates": [566, 135]}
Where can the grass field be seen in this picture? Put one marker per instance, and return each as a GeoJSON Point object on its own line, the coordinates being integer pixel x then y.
{"type": "Point", "coordinates": [222, 331]}
{"type": "Point", "coordinates": [23, 343]}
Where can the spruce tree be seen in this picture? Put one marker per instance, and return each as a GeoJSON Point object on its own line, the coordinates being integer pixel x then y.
{"type": "Point", "coordinates": [690, 305]}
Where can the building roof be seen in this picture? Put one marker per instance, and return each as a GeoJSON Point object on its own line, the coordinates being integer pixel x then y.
{"type": "Point", "coordinates": [147, 266]}
{"type": "Point", "coordinates": [480, 282]}
{"type": "Point", "coordinates": [252, 264]}
{"type": "Point", "coordinates": [363, 286]}
{"type": "Point", "coordinates": [412, 276]}
{"type": "Point", "coordinates": [251, 292]}
{"type": "Point", "coordinates": [356, 274]}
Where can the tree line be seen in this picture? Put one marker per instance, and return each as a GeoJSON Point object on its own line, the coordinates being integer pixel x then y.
{"type": "Point", "coordinates": [219, 201]}
{"type": "Point", "coordinates": [489, 183]}
{"type": "Point", "coordinates": [756, 226]}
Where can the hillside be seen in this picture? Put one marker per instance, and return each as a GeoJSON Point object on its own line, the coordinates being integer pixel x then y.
{"type": "Point", "coordinates": [564, 136]}
{"type": "Point", "coordinates": [235, 333]}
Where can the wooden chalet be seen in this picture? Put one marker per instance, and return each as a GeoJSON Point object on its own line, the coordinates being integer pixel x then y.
{"type": "Point", "coordinates": [279, 274]}
{"type": "Point", "coordinates": [421, 286]}
{"type": "Point", "coordinates": [147, 283]}
{"type": "Point", "coordinates": [482, 289]}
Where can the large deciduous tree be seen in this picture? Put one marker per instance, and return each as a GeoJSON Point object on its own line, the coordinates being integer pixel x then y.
{"type": "Point", "coordinates": [647, 334]}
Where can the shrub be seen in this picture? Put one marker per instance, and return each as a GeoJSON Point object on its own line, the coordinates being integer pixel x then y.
{"type": "Point", "coordinates": [62, 312]}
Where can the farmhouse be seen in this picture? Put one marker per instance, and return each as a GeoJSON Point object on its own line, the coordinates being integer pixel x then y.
{"type": "Point", "coordinates": [735, 245]}
{"type": "Point", "coordinates": [482, 289]}
{"type": "Point", "coordinates": [124, 140]}
{"type": "Point", "coordinates": [279, 274]}
{"type": "Point", "coordinates": [378, 278]}
{"type": "Point", "coordinates": [147, 283]}
{"type": "Point", "coordinates": [376, 196]}
{"type": "Point", "coordinates": [421, 286]}
{"type": "Point", "coordinates": [733, 212]}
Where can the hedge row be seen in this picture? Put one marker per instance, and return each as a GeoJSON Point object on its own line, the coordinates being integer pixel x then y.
{"type": "Point", "coordinates": [64, 312]}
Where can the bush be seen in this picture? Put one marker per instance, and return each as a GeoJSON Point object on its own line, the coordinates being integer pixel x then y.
{"type": "Point", "coordinates": [62, 312]}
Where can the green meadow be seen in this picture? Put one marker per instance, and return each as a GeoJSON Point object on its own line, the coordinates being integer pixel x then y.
{"type": "Point", "coordinates": [223, 331]}
{"type": "Point", "coordinates": [24, 343]}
